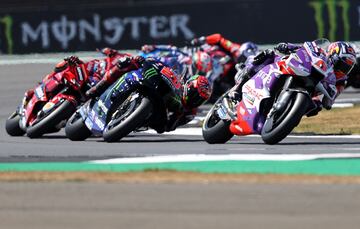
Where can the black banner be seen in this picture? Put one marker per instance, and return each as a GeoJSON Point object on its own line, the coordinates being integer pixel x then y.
{"type": "Point", "coordinates": [129, 27]}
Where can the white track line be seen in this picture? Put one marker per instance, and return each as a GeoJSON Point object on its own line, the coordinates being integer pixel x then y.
{"type": "Point", "coordinates": [228, 157]}
{"type": "Point", "coordinates": [343, 105]}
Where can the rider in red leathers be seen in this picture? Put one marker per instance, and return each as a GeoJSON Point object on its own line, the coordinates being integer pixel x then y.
{"type": "Point", "coordinates": [96, 69]}
{"type": "Point", "coordinates": [225, 54]}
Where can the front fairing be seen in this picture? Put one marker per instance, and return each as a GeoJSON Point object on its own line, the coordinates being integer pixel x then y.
{"type": "Point", "coordinates": [320, 62]}
{"type": "Point", "coordinates": [26, 110]}
{"type": "Point", "coordinates": [318, 58]}
{"type": "Point", "coordinates": [297, 63]}
{"type": "Point", "coordinates": [250, 118]}
{"type": "Point", "coordinates": [75, 77]}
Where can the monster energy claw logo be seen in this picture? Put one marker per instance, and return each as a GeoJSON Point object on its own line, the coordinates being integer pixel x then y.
{"type": "Point", "coordinates": [8, 22]}
{"type": "Point", "coordinates": [331, 6]}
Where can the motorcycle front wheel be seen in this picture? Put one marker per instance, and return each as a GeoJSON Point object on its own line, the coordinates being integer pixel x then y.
{"type": "Point", "coordinates": [130, 115]}
{"type": "Point", "coordinates": [214, 129]}
{"type": "Point", "coordinates": [279, 125]}
{"type": "Point", "coordinates": [48, 123]}
{"type": "Point", "coordinates": [12, 125]}
{"type": "Point", "coordinates": [75, 128]}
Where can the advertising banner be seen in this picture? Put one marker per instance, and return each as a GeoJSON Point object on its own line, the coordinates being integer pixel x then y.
{"type": "Point", "coordinates": [128, 27]}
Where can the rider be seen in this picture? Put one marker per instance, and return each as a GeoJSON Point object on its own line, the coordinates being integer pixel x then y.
{"type": "Point", "coordinates": [238, 52]}
{"type": "Point", "coordinates": [340, 54]}
{"type": "Point", "coordinates": [225, 55]}
{"type": "Point", "coordinates": [194, 89]}
{"type": "Point", "coordinates": [96, 69]}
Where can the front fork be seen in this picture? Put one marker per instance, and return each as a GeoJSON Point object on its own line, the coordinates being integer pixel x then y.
{"type": "Point", "coordinates": [225, 109]}
{"type": "Point", "coordinates": [285, 96]}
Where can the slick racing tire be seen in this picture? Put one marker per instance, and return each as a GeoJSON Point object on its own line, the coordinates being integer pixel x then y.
{"type": "Point", "coordinates": [214, 129]}
{"type": "Point", "coordinates": [47, 124]}
{"type": "Point", "coordinates": [136, 118]}
{"type": "Point", "coordinates": [272, 134]}
{"type": "Point", "coordinates": [75, 128]}
{"type": "Point", "coordinates": [12, 125]}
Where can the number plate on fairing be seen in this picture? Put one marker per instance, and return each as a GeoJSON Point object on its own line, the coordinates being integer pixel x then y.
{"type": "Point", "coordinates": [39, 92]}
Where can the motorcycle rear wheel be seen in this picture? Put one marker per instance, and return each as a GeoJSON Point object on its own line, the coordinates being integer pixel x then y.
{"type": "Point", "coordinates": [292, 118]}
{"type": "Point", "coordinates": [135, 119]}
{"type": "Point", "coordinates": [48, 123]}
{"type": "Point", "coordinates": [75, 128]}
{"type": "Point", "coordinates": [12, 125]}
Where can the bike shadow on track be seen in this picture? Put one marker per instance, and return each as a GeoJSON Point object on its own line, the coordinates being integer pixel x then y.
{"type": "Point", "coordinates": [132, 138]}
{"type": "Point", "coordinates": [154, 140]}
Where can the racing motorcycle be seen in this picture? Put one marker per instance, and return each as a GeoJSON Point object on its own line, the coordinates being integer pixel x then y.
{"type": "Point", "coordinates": [52, 102]}
{"type": "Point", "coordinates": [271, 104]}
{"type": "Point", "coordinates": [139, 99]}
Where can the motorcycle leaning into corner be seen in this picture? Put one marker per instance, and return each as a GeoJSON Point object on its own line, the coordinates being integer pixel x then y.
{"type": "Point", "coordinates": [46, 108]}
{"type": "Point", "coordinates": [273, 101]}
{"type": "Point", "coordinates": [141, 98]}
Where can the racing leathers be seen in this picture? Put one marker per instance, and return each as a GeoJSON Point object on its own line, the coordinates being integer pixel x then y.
{"type": "Point", "coordinates": [217, 41]}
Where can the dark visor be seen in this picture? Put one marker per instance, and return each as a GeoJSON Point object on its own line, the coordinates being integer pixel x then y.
{"type": "Point", "coordinates": [342, 66]}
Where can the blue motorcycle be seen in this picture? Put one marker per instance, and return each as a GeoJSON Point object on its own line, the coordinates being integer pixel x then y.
{"type": "Point", "coordinates": [142, 98]}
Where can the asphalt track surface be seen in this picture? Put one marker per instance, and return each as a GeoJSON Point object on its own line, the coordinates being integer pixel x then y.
{"type": "Point", "coordinates": [98, 205]}
{"type": "Point", "coordinates": [178, 206]}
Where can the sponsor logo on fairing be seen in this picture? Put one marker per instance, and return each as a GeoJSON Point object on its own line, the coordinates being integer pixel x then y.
{"type": "Point", "coordinates": [39, 92]}
{"type": "Point", "coordinates": [99, 123]}
{"type": "Point", "coordinates": [102, 106]}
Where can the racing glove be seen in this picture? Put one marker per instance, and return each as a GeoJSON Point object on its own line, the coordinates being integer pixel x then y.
{"type": "Point", "coordinates": [130, 63]}
{"type": "Point", "coordinates": [285, 48]}
{"type": "Point", "coordinates": [73, 60]}
{"type": "Point", "coordinates": [263, 56]}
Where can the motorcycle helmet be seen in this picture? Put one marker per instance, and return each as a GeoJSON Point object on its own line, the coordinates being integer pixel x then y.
{"type": "Point", "coordinates": [201, 63]}
{"type": "Point", "coordinates": [197, 90]}
{"type": "Point", "coordinates": [343, 57]}
{"type": "Point", "coordinates": [247, 49]}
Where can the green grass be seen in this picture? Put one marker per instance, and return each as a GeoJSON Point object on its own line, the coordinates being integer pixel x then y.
{"type": "Point", "coordinates": [335, 121]}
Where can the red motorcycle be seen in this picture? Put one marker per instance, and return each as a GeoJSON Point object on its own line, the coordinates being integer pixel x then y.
{"type": "Point", "coordinates": [46, 108]}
